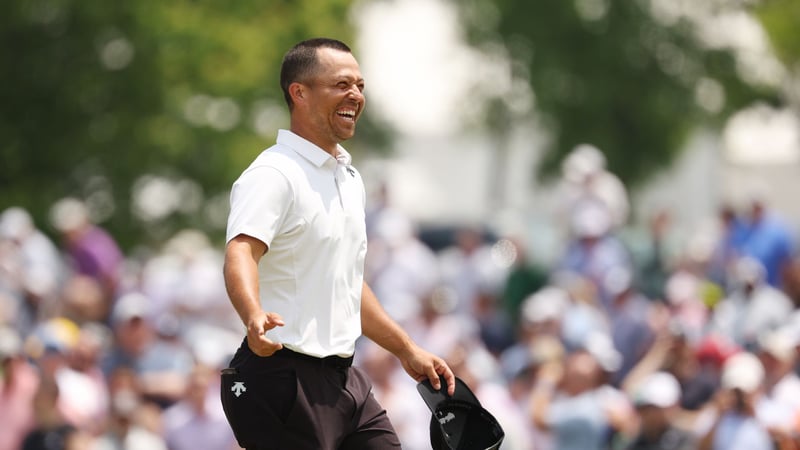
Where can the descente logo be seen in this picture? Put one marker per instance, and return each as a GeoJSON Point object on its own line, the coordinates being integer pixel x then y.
{"type": "Point", "coordinates": [238, 388]}
{"type": "Point", "coordinates": [450, 416]}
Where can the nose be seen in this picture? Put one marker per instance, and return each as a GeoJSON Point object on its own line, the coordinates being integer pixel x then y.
{"type": "Point", "coordinates": [355, 93]}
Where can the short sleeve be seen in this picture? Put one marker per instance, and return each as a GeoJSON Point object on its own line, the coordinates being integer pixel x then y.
{"type": "Point", "coordinates": [260, 201]}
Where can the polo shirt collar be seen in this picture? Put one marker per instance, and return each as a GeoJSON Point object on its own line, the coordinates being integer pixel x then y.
{"type": "Point", "coordinates": [310, 151]}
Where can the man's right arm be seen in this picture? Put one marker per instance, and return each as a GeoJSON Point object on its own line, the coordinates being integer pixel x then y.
{"type": "Point", "coordinates": [240, 270]}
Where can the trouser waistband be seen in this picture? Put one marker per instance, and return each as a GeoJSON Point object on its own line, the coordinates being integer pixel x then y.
{"type": "Point", "coordinates": [330, 361]}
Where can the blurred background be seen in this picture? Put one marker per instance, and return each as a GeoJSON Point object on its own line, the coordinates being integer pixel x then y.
{"type": "Point", "coordinates": [542, 176]}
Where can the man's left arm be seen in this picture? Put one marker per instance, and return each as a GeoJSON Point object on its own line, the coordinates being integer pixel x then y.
{"type": "Point", "coordinates": [418, 363]}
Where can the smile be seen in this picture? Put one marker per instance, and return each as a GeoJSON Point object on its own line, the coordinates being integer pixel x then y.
{"type": "Point", "coordinates": [348, 114]}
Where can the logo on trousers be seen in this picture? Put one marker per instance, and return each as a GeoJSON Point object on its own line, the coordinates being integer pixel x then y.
{"type": "Point", "coordinates": [238, 388]}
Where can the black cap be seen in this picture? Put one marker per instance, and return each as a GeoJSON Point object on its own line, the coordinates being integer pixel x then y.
{"type": "Point", "coordinates": [459, 422]}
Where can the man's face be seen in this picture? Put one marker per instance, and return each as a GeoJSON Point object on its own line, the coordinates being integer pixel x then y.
{"type": "Point", "coordinates": [335, 97]}
{"type": "Point", "coordinates": [653, 418]}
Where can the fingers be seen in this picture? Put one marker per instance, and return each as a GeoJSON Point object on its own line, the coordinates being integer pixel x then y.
{"type": "Point", "coordinates": [449, 378]}
{"type": "Point", "coordinates": [273, 320]}
{"type": "Point", "coordinates": [257, 340]}
{"type": "Point", "coordinates": [262, 346]}
{"type": "Point", "coordinates": [436, 370]}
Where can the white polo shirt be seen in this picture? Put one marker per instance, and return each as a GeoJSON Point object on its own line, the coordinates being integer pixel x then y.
{"type": "Point", "coordinates": [308, 208]}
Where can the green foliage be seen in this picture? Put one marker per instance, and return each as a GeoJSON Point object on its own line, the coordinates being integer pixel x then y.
{"type": "Point", "coordinates": [97, 94]}
{"type": "Point", "coordinates": [780, 19]}
{"type": "Point", "coordinates": [606, 72]}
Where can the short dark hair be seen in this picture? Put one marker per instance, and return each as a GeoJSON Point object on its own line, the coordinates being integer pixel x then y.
{"type": "Point", "coordinates": [300, 62]}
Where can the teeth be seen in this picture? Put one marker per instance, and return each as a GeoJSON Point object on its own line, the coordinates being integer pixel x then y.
{"type": "Point", "coordinates": [347, 113]}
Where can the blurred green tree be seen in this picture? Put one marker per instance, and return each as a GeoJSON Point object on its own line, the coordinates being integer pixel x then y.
{"type": "Point", "coordinates": [633, 78]}
{"type": "Point", "coordinates": [780, 19]}
{"type": "Point", "coordinates": [147, 110]}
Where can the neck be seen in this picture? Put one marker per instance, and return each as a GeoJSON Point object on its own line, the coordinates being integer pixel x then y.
{"type": "Point", "coordinates": [306, 133]}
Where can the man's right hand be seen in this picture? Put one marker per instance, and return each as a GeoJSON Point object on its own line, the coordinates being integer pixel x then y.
{"type": "Point", "coordinates": [257, 328]}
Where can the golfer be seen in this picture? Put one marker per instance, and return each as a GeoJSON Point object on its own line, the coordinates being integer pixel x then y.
{"type": "Point", "coordinates": [294, 264]}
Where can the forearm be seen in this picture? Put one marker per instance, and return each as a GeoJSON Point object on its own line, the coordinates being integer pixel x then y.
{"type": "Point", "coordinates": [539, 405]}
{"type": "Point", "coordinates": [379, 327]}
{"type": "Point", "coordinates": [241, 280]}
{"type": "Point", "coordinates": [418, 363]}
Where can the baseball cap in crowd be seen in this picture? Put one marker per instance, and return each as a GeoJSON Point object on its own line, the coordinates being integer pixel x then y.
{"type": "Point", "coordinates": [548, 303]}
{"type": "Point", "coordinates": [130, 306]}
{"type": "Point", "coordinates": [716, 349]}
{"type": "Point", "coordinates": [10, 343]}
{"type": "Point", "coordinates": [15, 223]}
{"type": "Point", "coordinates": [601, 347]}
{"type": "Point", "coordinates": [742, 371]}
{"type": "Point", "coordinates": [659, 389]}
{"type": "Point", "coordinates": [780, 344]}
{"type": "Point", "coordinates": [459, 422]}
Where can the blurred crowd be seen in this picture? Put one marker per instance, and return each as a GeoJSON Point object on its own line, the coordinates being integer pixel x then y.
{"type": "Point", "coordinates": [613, 344]}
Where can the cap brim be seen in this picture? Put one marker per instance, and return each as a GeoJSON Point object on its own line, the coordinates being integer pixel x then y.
{"type": "Point", "coordinates": [434, 397]}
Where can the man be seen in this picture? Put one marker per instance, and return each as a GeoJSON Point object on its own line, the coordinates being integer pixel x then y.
{"type": "Point", "coordinates": [294, 273]}
{"type": "Point", "coordinates": [766, 237]}
{"type": "Point", "coordinates": [733, 424]}
{"type": "Point", "coordinates": [656, 400]}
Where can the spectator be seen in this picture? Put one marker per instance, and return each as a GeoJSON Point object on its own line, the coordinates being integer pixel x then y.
{"type": "Point", "coordinates": [524, 278]}
{"type": "Point", "coordinates": [186, 297]}
{"type": "Point", "coordinates": [519, 365]}
{"type": "Point", "coordinates": [438, 327]}
{"type": "Point", "coordinates": [684, 299]}
{"type": "Point", "coordinates": [18, 386]}
{"type": "Point", "coordinates": [791, 282]}
{"type": "Point", "coordinates": [50, 346]}
{"type": "Point", "coordinates": [735, 426]}
{"type": "Point", "coordinates": [766, 238]}
{"type": "Point", "coordinates": [538, 343]}
{"type": "Point", "coordinates": [83, 300]}
{"type": "Point", "coordinates": [81, 380]}
{"type": "Point", "coordinates": [752, 307]}
{"type": "Point", "coordinates": [91, 249]}
{"type": "Point", "coordinates": [161, 365]}
{"type": "Point", "coordinates": [496, 329]}
{"type": "Point", "coordinates": [653, 270]}
{"type": "Point", "coordinates": [696, 369]}
{"type": "Point", "coordinates": [576, 406]}
{"type": "Point", "coordinates": [543, 313]}
{"type": "Point", "coordinates": [629, 317]}
{"type": "Point", "coordinates": [52, 431]}
{"type": "Point", "coordinates": [780, 405]}
{"type": "Point", "coordinates": [184, 279]}
{"type": "Point", "coordinates": [656, 400]}
{"type": "Point", "coordinates": [197, 420]}
{"type": "Point", "coordinates": [725, 251]}
{"type": "Point", "coordinates": [31, 269]}
{"type": "Point", "coordinates": [400, 268]}
{"type": "Point", "coordinates": [130, 422]}
{"type": "Point", "coordinates": [585, 316]}
{"type": "Point", "coordinates": [593, 250]}
{"type": "Point", "coordinates": [468, 266]}
{"type": "Point", "coordinates": [584, 175]}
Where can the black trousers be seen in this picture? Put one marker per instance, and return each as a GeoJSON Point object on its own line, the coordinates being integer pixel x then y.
{"type": "Point", "coordinates": [294, 401]}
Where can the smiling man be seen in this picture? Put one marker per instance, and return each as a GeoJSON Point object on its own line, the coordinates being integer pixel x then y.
{"type": "Point", "coordinates": [294, 266]}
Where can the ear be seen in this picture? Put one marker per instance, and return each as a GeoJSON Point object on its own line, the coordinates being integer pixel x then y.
{"type": "Point", "coordinates": [297, 91]}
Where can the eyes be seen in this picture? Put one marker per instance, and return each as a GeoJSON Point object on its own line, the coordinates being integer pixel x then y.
{"type": "Point", "coordinates": [347, 85]}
